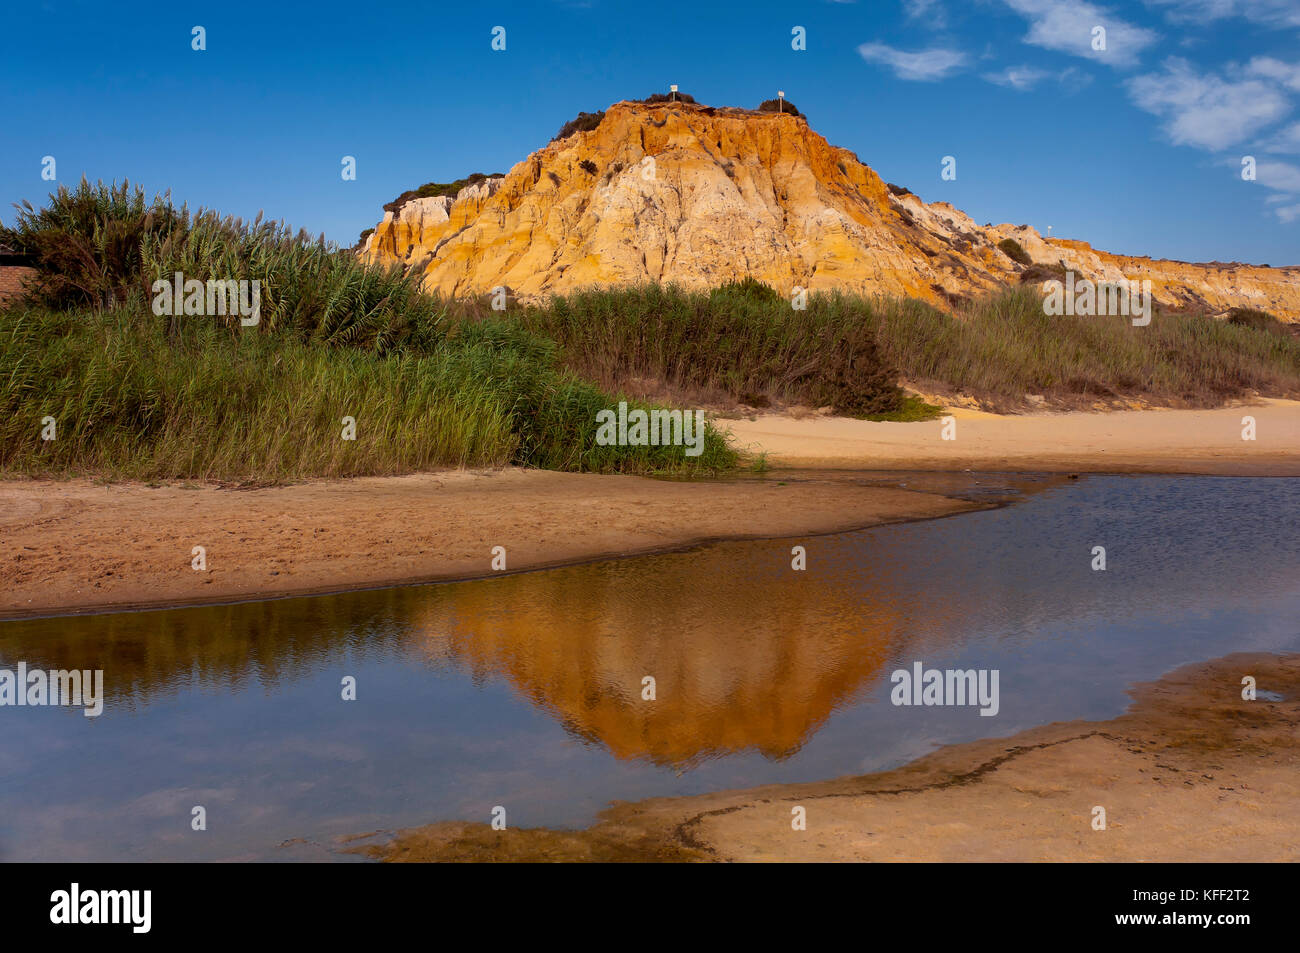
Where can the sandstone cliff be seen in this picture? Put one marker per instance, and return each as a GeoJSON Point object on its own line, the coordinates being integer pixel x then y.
{"type": "Point", "coordinates": [676, 192]}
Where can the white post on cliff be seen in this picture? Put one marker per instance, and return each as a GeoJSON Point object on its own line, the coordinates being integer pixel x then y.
{"type": "Point", "coordinates": [780, 96]}
{"type": "Point", "coordinates": [674, 91]}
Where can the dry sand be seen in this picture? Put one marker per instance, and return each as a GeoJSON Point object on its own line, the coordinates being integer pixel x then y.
{"type": "Point", "coordinates": [1192, 772]}
{"type": "Point", "coordinates": [77, 546]}
{"type": "Point", "coordinates": [1134, 441]}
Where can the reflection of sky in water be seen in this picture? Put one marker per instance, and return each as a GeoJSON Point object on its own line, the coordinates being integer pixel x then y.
{"type": "Point", "coordinates": [525, 690]}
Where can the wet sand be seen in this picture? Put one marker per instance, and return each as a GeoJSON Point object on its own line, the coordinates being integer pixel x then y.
{"type": "Point", "coordinates": [76, 546]}
{"type": "Point", "coordinates": [1192, 772]}
{"type": "Point", "coordinates": [1129, 441]}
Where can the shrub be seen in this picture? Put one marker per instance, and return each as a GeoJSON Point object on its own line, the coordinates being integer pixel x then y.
{"type": "Point", "coordinates": [85, 245]}
{"type": "Point", "coordinates": [102, 247]}
{"type": "Point", "coordinates": [665, 98]}
{"type": "Point", "coordinates": [1011, 248]}
{"type": "Point", "coordinates": [747, 290]}
{"type": "Point", "coordinates": [583, 122]}
{"type": "Point", "coordinates": [1254, 318]}
{"type": "Point", "coordinates": [1037, 274]}
{"type": "Point", "coordinates": [587, 166]}
{"type": "Point", "coordinates": [435, 189]}
{"type": "Point", "coordinates": [777, 105]}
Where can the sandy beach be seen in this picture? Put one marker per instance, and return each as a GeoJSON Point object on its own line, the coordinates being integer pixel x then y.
{"type": "Point", "coordinates": [76, 546]}
{"type": "Point", "coordinates": [1192, 772]}
{"type": "Point", "coordinates": [1131, 441]}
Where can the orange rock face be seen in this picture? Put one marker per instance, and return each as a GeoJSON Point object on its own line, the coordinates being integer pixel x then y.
{"type": "Point", "coordinates": [697, 196]}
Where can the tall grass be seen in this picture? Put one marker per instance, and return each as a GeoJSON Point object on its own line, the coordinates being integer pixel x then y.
{"type": "Point", "coordinates": [130, 400]}
{"type": "Point", "coordinates": [134, 394]}
{"type": "Point", "coordinates": [102, 246]}
{"type": "Point", "coordinates": [741, 342]}
{"type": "Point", "coordinates": [745, 343]}
{"type": "Point", "coordinates": [1004, 347]}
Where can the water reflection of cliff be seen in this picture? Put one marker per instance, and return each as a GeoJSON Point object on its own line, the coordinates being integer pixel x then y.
{"type": "Point", "coordinates": [752, 657]}
{"type": "Point", "coordinates": [746, 653]}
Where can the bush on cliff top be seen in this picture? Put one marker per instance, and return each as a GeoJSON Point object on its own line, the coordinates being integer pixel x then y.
{"type": "Point", "coordinates": [433, 189]}
{"type": "Point", "coordinates": [778, 105]}
{"type": "Point", "coordinates": [583, 122]}
{"type": "Point", "coordinates": [655, 98]}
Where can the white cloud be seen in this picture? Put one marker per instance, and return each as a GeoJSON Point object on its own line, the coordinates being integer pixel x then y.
{"type": "Point", "coordinates": [1270, 12]}
{"type": "Point", "coordinates": [931, 12]}
{"type": "Point", "coordinates": [1282, 176]}
{"type": "Point", "coordinates": [1021, 78]}
{"type": "Point", "coordinates": [1284, 179]}
{"type": "Point", "coordinates": [1288, 213]}
{"type": "Point", "coordinates": [1285, 140]}
{"type": "Point", "coordinates": [1204, 109]}
{"type": "Point", "coordinates": [1287, 74]}
{"type": "Point", "coordinates": [1024, 78]}
{"type": "Point", "coordinates": [1067, 26]}
{"type": "Point", "coordinates": [923, 65]}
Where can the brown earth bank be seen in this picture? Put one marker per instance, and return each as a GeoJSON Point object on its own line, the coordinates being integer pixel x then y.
{"type": "Point", "coordinates": [1129, 441]}
{"type": "Point", "coordinates": [1192, 772]}
{"type": "Point", "coordinates": [79, 546]}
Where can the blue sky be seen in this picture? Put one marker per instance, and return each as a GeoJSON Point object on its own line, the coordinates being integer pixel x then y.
{"type": "Point", "coordinates": [1136, 148]}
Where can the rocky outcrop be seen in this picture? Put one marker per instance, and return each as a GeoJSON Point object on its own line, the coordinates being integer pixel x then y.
{"type": "Point", "coordinates": [677, 192]}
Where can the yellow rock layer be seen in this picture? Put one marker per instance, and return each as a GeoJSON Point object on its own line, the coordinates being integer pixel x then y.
{"type": "Point", "coordinates": [697, 196]}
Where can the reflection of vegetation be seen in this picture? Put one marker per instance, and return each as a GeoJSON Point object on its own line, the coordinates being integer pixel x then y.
{"type": "Point", "coordinates": [146, 655]}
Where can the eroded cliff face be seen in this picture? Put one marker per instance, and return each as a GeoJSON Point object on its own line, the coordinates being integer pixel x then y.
{"type": "Point", "coordinates": [682, 193]}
